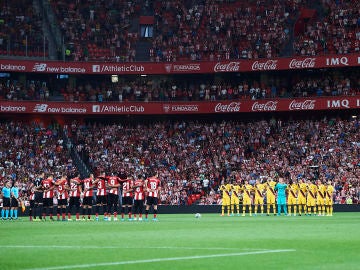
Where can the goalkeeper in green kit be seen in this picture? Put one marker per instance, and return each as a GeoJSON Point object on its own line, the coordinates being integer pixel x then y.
{"type": "Point", "coordinates": [281, 196]}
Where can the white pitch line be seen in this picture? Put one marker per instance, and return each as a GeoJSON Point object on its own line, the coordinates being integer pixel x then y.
{"type": "Point", "coordinates": [125, 247]}
{"type": "Point", "coordinates": [163, 259]}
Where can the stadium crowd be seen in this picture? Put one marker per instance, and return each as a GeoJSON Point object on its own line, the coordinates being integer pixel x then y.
{"type": "Point", "coordinates": [185, 89]}
{"type": "Point", "coordinates": [185, 30]}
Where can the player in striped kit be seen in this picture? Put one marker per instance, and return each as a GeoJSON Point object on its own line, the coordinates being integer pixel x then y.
{"type": "Point", "coordinates": [113, 183]}
{"type": "Point", "coordinates": [31, 196]}
{"type": "Point", "coordinates": [88, 184]}
{"type": "Point", "coordinates": [48, 196]}
{"type": "Point", "coordinates": [139, 197]}
{"type": "Point", "coordinates": [62, 195]}
{"type": "Point", "coordinates": [153, 186]}
{"type": "Point", "coordinates": [74, 194]}
{"type": "Point", "coordinates": [127, 197]}
{"type": "Point", "coordinates": [101, 198]}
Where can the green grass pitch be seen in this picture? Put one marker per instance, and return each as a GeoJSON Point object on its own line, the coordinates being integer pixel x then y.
{"type": "Point", "coordinates": [184, 242]}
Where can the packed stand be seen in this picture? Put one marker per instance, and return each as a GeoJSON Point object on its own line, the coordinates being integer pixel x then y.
{"type": "Point", "coordinates": [182, 89]}
{"type": "Point", "coordinates": [337, 32]}
{"type": "Point", "coordinates": [193, 158]}
{"type": "Point", "coordinates": [28, 149]}
{"type": "Point", "coordinates": [21, 30]}
{"type": "Point", "coordinates": [214, 30]}
{"type": "Point", "coordinates": [31, 90]}
{"type": "Point", "coordinates": [97, 30]}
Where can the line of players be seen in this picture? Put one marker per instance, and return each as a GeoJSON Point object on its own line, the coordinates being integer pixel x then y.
{"type": "Point", "coordinates": [78, 194]}
{"type": "Point", "coordinates": [302, 197]}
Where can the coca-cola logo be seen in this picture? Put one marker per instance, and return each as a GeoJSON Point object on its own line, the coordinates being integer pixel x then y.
{"type": "Point", "coordinates": [227, 67]}
{"type": "Point", "coordinates": [302, 105]}
{"type": "Point", "coordinates": [264, 107]}
{"type": "Point", "coordinates": [268, 65]}
{"type": "Point", "coordinates": [305, 63]}
{"type": "Point", "coordinates": [231, 107]}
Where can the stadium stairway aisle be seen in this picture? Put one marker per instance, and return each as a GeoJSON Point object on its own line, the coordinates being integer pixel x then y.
{"type": "Point", "coordinates": [79, 163]}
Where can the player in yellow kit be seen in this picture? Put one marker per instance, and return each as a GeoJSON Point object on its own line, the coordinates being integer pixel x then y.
{"type": "Point", "coordinates": [293, 189]}
{"type": "Point", "coordinates": [226, 195]}
{"type": "Point", "coordinates": [329, 199]}
{"type": "Point", "coordinates": [270, 195]}
{"type": "Point", "coordinates": [311, 198]}
{"type": "Point", "coordinates": [320, 198]}
{"type": "Point", "coordinates": [235, 194]}
{"type": "Point", "coordinates": [302, 197]}
{"type": "Point", "coordinates": [259, 190]}
{"type": "Point", "coordinates": [247, 189]}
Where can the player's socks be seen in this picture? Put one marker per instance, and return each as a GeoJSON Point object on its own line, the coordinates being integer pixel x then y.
{"type": "Point", "coordinates": [122, 215]}
{"type": "Point", "coordinates": [262, 209]}
{"type": "Point", "coordinates": [115, 214]}
{"type": "Point", "coordinates": [15, 213]}
{"type": "Point", "coordinates": [78, 215]}
{"type": "Point", "coordinates": [222, 210]}
{"type": "Point", "coordinates": [3, 213]}
{"type": "Point", "coordinates": [290, 209]}
{"type": "Point", "coordinates": [69, 216]}
{"type": "Point", "coordinates": [63, 215]}
{"type": "Point", "coordinates": [323, 210]}
{"type": "Point", "coordinates": [11, 213]}
{"type": "Point", "coordinates": [279, 209]}
{"type": "Point", "coordinates": [7, 213]}
{"type": "Point", "coordinates": [155, 213]}
{"type": "Point", "coordinates": [146, 213]}
{"type": "Point", "coordinates": [295, 210]}
{"type": "Point", "coordinates": [274, 209]}
{"type": "Point", "coordinates": [331, 210]}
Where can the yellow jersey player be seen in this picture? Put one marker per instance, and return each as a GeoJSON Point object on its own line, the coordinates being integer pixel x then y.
{"type": "Point", "coordinates": [226, 195]}
{"type": "Point", "coordinates": [235, 194]}
{"type": "Point", "coordinates": [270, 195]}
{"type": "Point", "coordinates": [247, 189]}
{"type": "Point", "coordinates": [320, 198]}
{"type": "Point", "coordinates": [259, 190]}
{"type": "Point", "coordinates": [293, 189]}
{"type": "Point", "coordinates": [329, 199]}
{"type": "Point", "coordinates": [311, 198]}
{"type": "Point", "coordinates": [302, 197]}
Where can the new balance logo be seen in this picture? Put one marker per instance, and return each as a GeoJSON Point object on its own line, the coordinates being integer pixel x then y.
{"type": "Point", "coordinates": [39, 67]}
{"type": "Point", "coordinates": [40, 108]}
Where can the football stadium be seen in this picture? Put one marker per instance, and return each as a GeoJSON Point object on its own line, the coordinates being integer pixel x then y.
{"type": "Point", "coordinates": [195, 134]}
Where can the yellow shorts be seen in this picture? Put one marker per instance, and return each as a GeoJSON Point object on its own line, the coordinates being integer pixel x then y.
{"type": "Point", "coordinates": [292, 200]}
{"type": "Point", "coordinates": [259, 200]}
{"type": "Point", "coordinates": [235, 200]}
{"type": "Point", "coordinates": [270, 199]}
{"type": "Point", "coordinates": [310, 202]}
{"type": "Point", "coordinates": [246, 201]}
{"type": "Point", "coordinates": [320, 201]}
{"type": "Point", "coordinates": [226, 201]}
{"type": "Point", "coordinates": [301, 200]}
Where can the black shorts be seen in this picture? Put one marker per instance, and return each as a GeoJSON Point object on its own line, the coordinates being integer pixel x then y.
{"type": "Point", "coordinates": [14, 202]}
{"type": "Point", "coordinates": [62, 202]}
{"type": "Point", "coordinates": [101, 200]}
{"type": "Point", "coordinates": [87, 201]}
{"type": "Point", "coordinates": [113, 199]}
{"type": "Point", "coordinates": [32, 204]}
{"type": "Point", "coordinates": [48, 202]}
{"type": "Point", "coordinates": [39, 197]}
{"type": "Point", "coordinates": [151, 201]}
{"type": "Point", "coordinates": [139, 204]}
{"type": "Point", "coordinates": [127, 200]}
{"type": "Point", "coordinates": [74, 201]}
{"type": "Point", "coordinates": [6, 202]}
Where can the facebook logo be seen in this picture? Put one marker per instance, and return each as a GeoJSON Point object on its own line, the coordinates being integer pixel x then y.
{"type": "Point", "coordinates": [96, 108]}
{"type": "Point", "coordinates": [96, 68]}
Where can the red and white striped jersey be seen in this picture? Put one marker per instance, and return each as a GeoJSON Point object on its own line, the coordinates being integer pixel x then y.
{"type": "Point", "coordinates": [101, 187]}
{"type": "Point", "coordinates": [127, 185]}
{"type": "Point", "coordinates": [88, 187]}
{"type": "Point", "coordinates": [152, 186]}
{"type": "Point", "coordinates": [62, 192]}
{"type": "Point", "coordinates": [139, 193]}
{"type": "Point", "coordinates": [32, 194]}
{"type": "Point", "coordinates": [75, 187]}
{"type": "Point", "coordinates": [113, 181]}
{"type": "Point", "coordinates": [47, 184]}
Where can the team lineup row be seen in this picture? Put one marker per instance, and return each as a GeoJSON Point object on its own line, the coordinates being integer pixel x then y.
{"type": "Point", "coordinates": [299, 197]}
{"type": "Point", "coordinates": [78, 194]}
